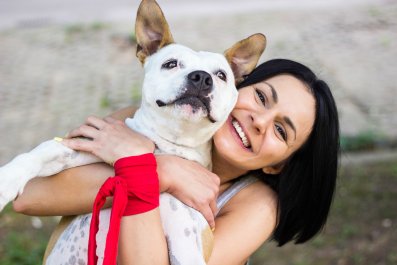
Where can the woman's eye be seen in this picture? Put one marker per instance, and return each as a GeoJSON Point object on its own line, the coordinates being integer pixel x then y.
{"type": "Point", "coordinates": [261, 97]}
{"type": "Point", "coordinates": [221, 75]}
{"type": "Point", "coordinates": [170, 64]}
{"type": "Point", "coordinates": [281, 132]}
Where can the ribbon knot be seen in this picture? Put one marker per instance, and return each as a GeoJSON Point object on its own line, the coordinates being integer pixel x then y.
{"type": "Point", "coordinates": [135, 189]}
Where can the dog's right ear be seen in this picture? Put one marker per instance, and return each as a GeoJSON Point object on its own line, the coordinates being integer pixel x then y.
{"type": "Point", "coordinates": [151, 30]}
{"type": "Point", "coordinates": [244, 55]}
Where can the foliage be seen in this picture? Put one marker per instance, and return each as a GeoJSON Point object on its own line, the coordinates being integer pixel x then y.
{"type": "Point", "coordinates": [367, 140]}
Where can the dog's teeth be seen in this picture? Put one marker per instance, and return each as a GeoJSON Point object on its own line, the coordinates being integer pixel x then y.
{"type": "Point", "coordinates": [240, 133]}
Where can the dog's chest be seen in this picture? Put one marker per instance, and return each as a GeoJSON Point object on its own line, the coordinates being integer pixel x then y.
{"type": "Point", "coordinates": [200, 153]}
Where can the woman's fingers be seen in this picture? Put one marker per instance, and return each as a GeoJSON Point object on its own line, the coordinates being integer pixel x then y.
{"type": "Point", "coordinates": [111, 120]}
{"type": "Point", "coordinates": [213, 207]}
{"type": "Point", "coordinates": [79, 144]}
{"type": "Point", "coordinates": [91, 126]}
{"type": "Point", "coordinates": [191, 183]}
{"type": "Point", "coordinates": [96, 122]}
{"type": "Point", "coordinates": [84, 130]}
{"type": "Point", "coordinates": [111, 139]}
{"type": "Point", "coordinates": [208, 215]}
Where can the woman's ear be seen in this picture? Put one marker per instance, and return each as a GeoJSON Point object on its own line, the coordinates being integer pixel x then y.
{"type": "Point", "coordinates": [273, 170]}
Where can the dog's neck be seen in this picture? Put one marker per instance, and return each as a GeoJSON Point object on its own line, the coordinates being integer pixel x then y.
{"type": "Point", "coordinates": [172, 136]}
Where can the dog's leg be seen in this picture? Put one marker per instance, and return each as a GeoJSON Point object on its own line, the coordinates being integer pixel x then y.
{"type": "Point", "coordinates": [46, 159]}
{"type": "Point", "coordinates": [189, 242]}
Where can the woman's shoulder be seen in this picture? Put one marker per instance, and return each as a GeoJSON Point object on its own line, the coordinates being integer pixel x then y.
{"type": "Point", "coordinates": [249, 217]}
{"type": "Point", "coordinates": [257, 198]}
{"type": "Point", "coordinates": [258, 194]}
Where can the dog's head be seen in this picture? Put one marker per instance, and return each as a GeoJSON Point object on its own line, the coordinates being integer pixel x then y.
{"type": "Point", "coordinates": [186, 94]}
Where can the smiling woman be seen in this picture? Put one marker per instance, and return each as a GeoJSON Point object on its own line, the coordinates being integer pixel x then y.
{"type": "Point", "coordinates": [290, 115]}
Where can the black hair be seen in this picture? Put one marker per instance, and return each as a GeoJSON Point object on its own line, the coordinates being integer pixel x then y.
{"type": "Point", "coordinates": [306, 184]}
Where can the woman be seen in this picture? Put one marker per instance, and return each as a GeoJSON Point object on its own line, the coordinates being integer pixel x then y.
{"type": "Point", "coordinates": [284, 130]}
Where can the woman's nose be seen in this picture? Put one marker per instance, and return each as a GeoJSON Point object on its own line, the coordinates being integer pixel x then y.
{"type": "Point", "coordinates": [261, 121]}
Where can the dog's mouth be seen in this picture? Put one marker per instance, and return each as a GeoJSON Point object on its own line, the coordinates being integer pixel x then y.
{"type": "Point", "coordinates": [195, 102]}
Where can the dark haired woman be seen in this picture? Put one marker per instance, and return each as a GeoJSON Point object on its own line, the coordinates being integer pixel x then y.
{"type": "Point", "coordinates": [276, 158]}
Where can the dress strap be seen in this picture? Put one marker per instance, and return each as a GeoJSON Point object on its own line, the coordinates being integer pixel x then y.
{"type": "Point", "coordinates": [240, 184]}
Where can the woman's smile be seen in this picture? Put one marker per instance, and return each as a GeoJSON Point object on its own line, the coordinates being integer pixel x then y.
{"type": "Point", "coordinates": [239, 133]}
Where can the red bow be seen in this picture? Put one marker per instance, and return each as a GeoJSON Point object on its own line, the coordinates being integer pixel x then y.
{"type": "Point", "coordinates": [135, 189]}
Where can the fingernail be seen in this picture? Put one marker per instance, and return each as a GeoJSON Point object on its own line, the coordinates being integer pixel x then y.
{"type": "Point", "coordinates": [213, 229]}
{"type": "Point", "coordinates": [58, 139]}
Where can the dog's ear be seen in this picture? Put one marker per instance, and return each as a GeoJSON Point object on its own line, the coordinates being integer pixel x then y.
{"type": "Point", "coordinates": [151, 30]}
{"type": "Point", "coordinates": [244, 55]}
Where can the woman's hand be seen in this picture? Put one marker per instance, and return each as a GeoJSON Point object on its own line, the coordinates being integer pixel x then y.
{"type": "Point", "coordinates": [191, 183]}
{"type": "Point", "coordinates": [109, 139]}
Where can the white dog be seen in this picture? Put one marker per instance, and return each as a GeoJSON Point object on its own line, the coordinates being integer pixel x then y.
{"type": "Point", "coordinates": [186, 97]}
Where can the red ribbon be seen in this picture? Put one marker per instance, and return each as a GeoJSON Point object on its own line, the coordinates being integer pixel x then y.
{"type": "Point", "coordinates": [135, 189]}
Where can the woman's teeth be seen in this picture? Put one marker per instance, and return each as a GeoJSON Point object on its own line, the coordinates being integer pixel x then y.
{"type": "Point", "coordinates": [240, 133]}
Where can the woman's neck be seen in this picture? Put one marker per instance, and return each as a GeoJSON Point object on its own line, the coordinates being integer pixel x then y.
{"type": "Point", "coordinates": [225, 171]}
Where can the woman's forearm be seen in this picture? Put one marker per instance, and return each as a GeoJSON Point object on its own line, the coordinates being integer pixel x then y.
{"type": "Point", "coordinates": [69, 192]}
{"type": "Point", "coordinates": [142, 240]}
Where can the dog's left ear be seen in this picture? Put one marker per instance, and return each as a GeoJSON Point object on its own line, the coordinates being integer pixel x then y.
{"type": "Point", "coordinates": [151, 29]}
{"type": "Point", "coordinates": [244, 55]}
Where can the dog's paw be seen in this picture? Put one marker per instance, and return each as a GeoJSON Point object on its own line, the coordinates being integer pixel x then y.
{"type": "Point", "coordinates": [13, 178]}
{"type": "Point", "coordinates": [7, 192]}
{"type": "Point", "coordinates": [3, 202]}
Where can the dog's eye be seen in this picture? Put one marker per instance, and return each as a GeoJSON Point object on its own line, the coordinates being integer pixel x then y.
{"type": "Point", "coordinates": [221, 75]}
{"type": "Point", "coordinates": [170, 64]}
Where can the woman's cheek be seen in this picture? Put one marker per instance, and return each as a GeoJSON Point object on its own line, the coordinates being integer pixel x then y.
{"type": "Point", "coordinates": [272, 149]}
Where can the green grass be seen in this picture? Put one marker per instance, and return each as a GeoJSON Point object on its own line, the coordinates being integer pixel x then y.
{"type": "Point", "coordinates": [361, 228]}
{"type": "Point", "coordinates": [21, 243]}
{"type": "Point", "coordinates": [105, 102]}
{"type": "Point", "coordinates": [362, 141]}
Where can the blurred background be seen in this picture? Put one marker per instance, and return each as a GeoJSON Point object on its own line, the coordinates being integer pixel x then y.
{"type": "Point", "coordinates": [61, 61]}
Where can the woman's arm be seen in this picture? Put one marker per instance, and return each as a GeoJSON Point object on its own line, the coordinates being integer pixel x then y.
{"type": "Point", "coordinates": [142, 240]}
{"type": "Point", "coordinates": [69, 192]}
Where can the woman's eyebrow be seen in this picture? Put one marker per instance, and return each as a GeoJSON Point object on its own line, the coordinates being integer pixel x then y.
{"type": "Point", "coordinates": [290, 124]}
{"type": "Point", "coordinates": [274, 92]}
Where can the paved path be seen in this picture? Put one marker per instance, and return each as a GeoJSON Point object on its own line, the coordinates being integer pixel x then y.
{"type": "Point", "coordinates": [61, 61]}
{"type": "Point", "coordinates": [20, 12]}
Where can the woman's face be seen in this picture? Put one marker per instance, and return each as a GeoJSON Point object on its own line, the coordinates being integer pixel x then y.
{"type": "Point", "coordinates": [270, 121]}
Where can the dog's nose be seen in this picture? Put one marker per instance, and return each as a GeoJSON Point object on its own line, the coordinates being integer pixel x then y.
{"type": "Point", "coordinates": [201, 81]}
